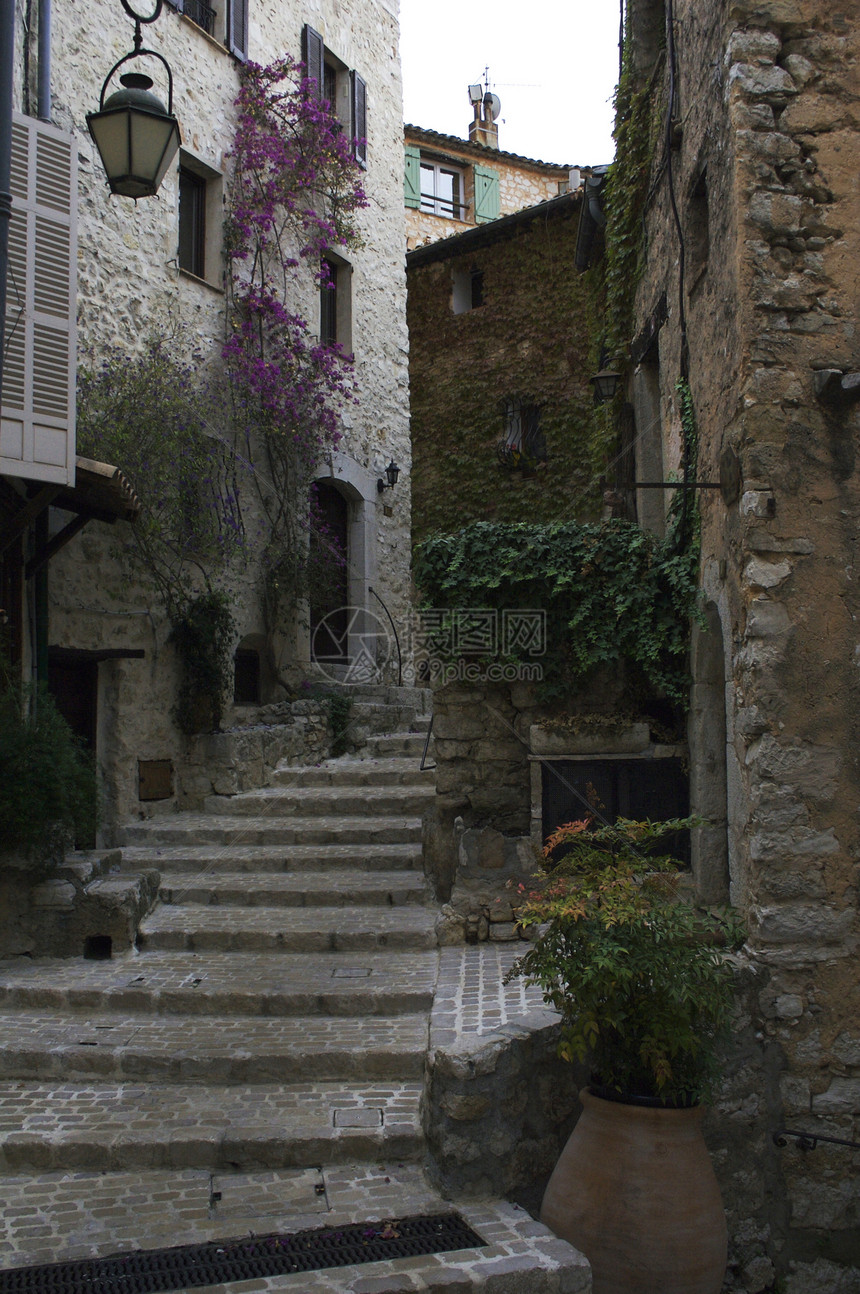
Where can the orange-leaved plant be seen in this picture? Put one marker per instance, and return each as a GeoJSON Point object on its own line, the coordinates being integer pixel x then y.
{"type": "Point", "coordinates": [639, 974]}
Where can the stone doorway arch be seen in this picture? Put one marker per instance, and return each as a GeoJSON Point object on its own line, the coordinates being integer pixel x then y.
{"type": "Point", "coordinates": [345, 479]}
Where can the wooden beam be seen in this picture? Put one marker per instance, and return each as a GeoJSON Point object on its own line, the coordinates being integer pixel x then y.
{"type": "Point", "coordinates": [32, 509]}
{"type": "Point", "coordinates": [53, 546]}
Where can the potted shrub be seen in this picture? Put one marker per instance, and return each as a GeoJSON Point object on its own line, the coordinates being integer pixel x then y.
{"type": "Point", "coordinates": [643, 988]}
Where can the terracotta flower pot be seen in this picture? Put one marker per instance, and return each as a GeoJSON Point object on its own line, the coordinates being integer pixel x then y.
{"type": "Point", "coordinates": [635, 1191]}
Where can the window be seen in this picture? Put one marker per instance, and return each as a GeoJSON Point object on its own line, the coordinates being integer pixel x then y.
{"type": "Point", "coordinates": [335, 302]}
{"type": "Point", "coordinates": [328, 304]}
{"type": "Point", "coordinates": [192, 223]}
{"type": "Point", "coordinates": [467, 289]}
{"type": "Point", "coordinates": [524, 443]}
{"type": "Point", "coordinates": [225, 20]}
{"type": "Point", "coordinates": [442, 190]}
{"type": "Point", "coordinates": [344, 90]}
{"type": "Point", "coordinates": [200, 219]}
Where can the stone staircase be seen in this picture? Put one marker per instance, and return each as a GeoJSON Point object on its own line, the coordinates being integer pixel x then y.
{"type": "Point", "coordinates": [257, 1063]}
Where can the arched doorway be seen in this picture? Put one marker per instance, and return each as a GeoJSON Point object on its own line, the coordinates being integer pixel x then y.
{"type": "Point", "coordinates": [328, 594]}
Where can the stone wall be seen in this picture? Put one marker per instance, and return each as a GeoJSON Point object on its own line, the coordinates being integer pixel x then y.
{"type": "Point", "coordinates": [130, 286]}
{"type": "Point", "coordinates": [246, 755]}
{"type": "Point", "coordinates": [764, 164]}
{"type": "Point", "coordinates": [527, 341]}
{"type": "Point", "coordinates": [484, 831]}
{"type": "Point", "coordinates": [82, 907]}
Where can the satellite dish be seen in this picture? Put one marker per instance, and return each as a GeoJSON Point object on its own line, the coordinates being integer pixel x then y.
{"type": "Point", "coordinates": [495, 105]}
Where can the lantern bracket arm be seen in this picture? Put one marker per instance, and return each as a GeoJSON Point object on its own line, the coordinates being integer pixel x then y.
{"type": "Point", "coordinates": [139, 18]}
{"type": "Point", "coordinates": [141, 53]}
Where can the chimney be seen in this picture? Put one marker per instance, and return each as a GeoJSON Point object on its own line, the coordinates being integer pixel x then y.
{"type": "Point", "coordinates": [486, 107]}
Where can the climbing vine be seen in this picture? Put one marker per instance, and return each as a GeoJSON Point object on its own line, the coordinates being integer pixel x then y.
{"type": "Point", "coordinates": [612, 595]}
{"type": "Point", "coordinates": [158, 418]}
{"type": "Point", "coordinates": [196, 452]}
{"type": "Point", "coordinates": [615, 277]}
{"type": "Point", "coordinates": [294, 197]}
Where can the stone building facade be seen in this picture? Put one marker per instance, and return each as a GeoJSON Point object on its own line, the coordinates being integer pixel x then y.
{"type": "Point", "coordinates": [453, 184]}
{"type": "Point", "coordinates": [750, 289]}
{"type": "Point", "coordinates": [499, 351]}
{"type": "Point", "coordinates": [132, 283]}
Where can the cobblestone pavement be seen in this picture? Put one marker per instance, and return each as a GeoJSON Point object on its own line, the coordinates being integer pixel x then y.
{"type": "Point", "coordinates": [310, 930]}
{"type": "Point", "coordinates": [471, 997]}
{"type": "Point", "coordinates": [197, 1049]}
{"type": "Point", "coordinates": [294, 889]}
{"type": "Point", "coordinates": [116, 1126]}
{"type": "Point", "coordinates": [210, 860]}
{"type": "Point", "coordinates": [228, 831]}
{"type": "Point", "coordinates": [257, 1065]}
{"type": "Point", "coordinates": [206, 984]}
{"type": "Point", "coordinates": [86, 1215]}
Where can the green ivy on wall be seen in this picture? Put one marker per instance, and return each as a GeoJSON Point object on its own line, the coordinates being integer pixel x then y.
{"type": "Point", "coordinates": [528, 340]}
{"type": "Point", "coordinates": [637, 124]}
{"type": "Point", "coordinates": [612, 594]}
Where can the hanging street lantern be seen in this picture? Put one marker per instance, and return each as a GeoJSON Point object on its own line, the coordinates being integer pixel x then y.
{"type": "Point", "coordinates": [137, 137]}
{"type": "Point", "coordinates": [605, 385]}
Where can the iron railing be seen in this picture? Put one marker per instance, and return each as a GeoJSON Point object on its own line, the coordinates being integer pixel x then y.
{"type": "Point", "coordinates": [809, 1140]}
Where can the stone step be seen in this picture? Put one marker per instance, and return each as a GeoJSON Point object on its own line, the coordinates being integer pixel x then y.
{"type": "Point", "coordinates": [248, 984]}
{"type": "Point", "coordinates": [94, 1214]}
{"type": "Point", "coordinates": [342, 888]}
{"type": "Point", "coordinates": [44, 1045]}
{"type": "Point", "coordinates": [394, 744]}
{"type": "Point", "coordinates": [120, 1126]}
{"type": "Point", "coordinates": [419, 699]}
{"type": "Point", "coordinates": [324, 801]}
{"type": "Point", "coordinates": [297, 930]}
{"type": "Point", "coordinates": [354, 771]}
{"type": "Point", "coordinates": [272, 858]}
{"type": "Point", "coordinates": [206, 828]}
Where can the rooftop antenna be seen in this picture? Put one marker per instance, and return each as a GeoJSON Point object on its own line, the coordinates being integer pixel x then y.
{"type": "Point", "coordinates": [486, 107]}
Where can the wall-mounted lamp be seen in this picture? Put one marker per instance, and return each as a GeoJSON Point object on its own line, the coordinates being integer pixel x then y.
{"type": "Point", "coordinates": [137, 137]}
{"type": "Point", "coordinates": [392, 471]}
{"type": "Point", "coordinates": [605, 385]}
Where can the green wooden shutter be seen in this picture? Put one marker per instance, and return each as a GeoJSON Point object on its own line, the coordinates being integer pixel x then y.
{"type": "Point", "coordinates": [413, 176]}
{"type": "Point", "coordinates": [486, 194]}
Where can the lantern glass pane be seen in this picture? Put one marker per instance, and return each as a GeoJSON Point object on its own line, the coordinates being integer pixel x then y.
{"type": "Point", "coordinates": [151, 153]}
{"type": "Point", "coordinates": [110, 131]}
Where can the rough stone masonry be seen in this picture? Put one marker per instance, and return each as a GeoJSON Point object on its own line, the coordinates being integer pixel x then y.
{"type": "Point", "coordinates": [761, 160]}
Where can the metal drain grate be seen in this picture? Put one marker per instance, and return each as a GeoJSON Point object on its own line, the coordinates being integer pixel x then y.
{"type": "Point", "coordinates": [218, 1262]}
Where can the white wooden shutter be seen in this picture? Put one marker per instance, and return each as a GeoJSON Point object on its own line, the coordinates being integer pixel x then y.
{"type": "Point", "coordinates": [37, 421]}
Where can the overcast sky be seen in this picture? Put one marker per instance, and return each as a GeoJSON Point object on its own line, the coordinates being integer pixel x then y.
{"type": "Point", "coordinates": [553, 64]}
